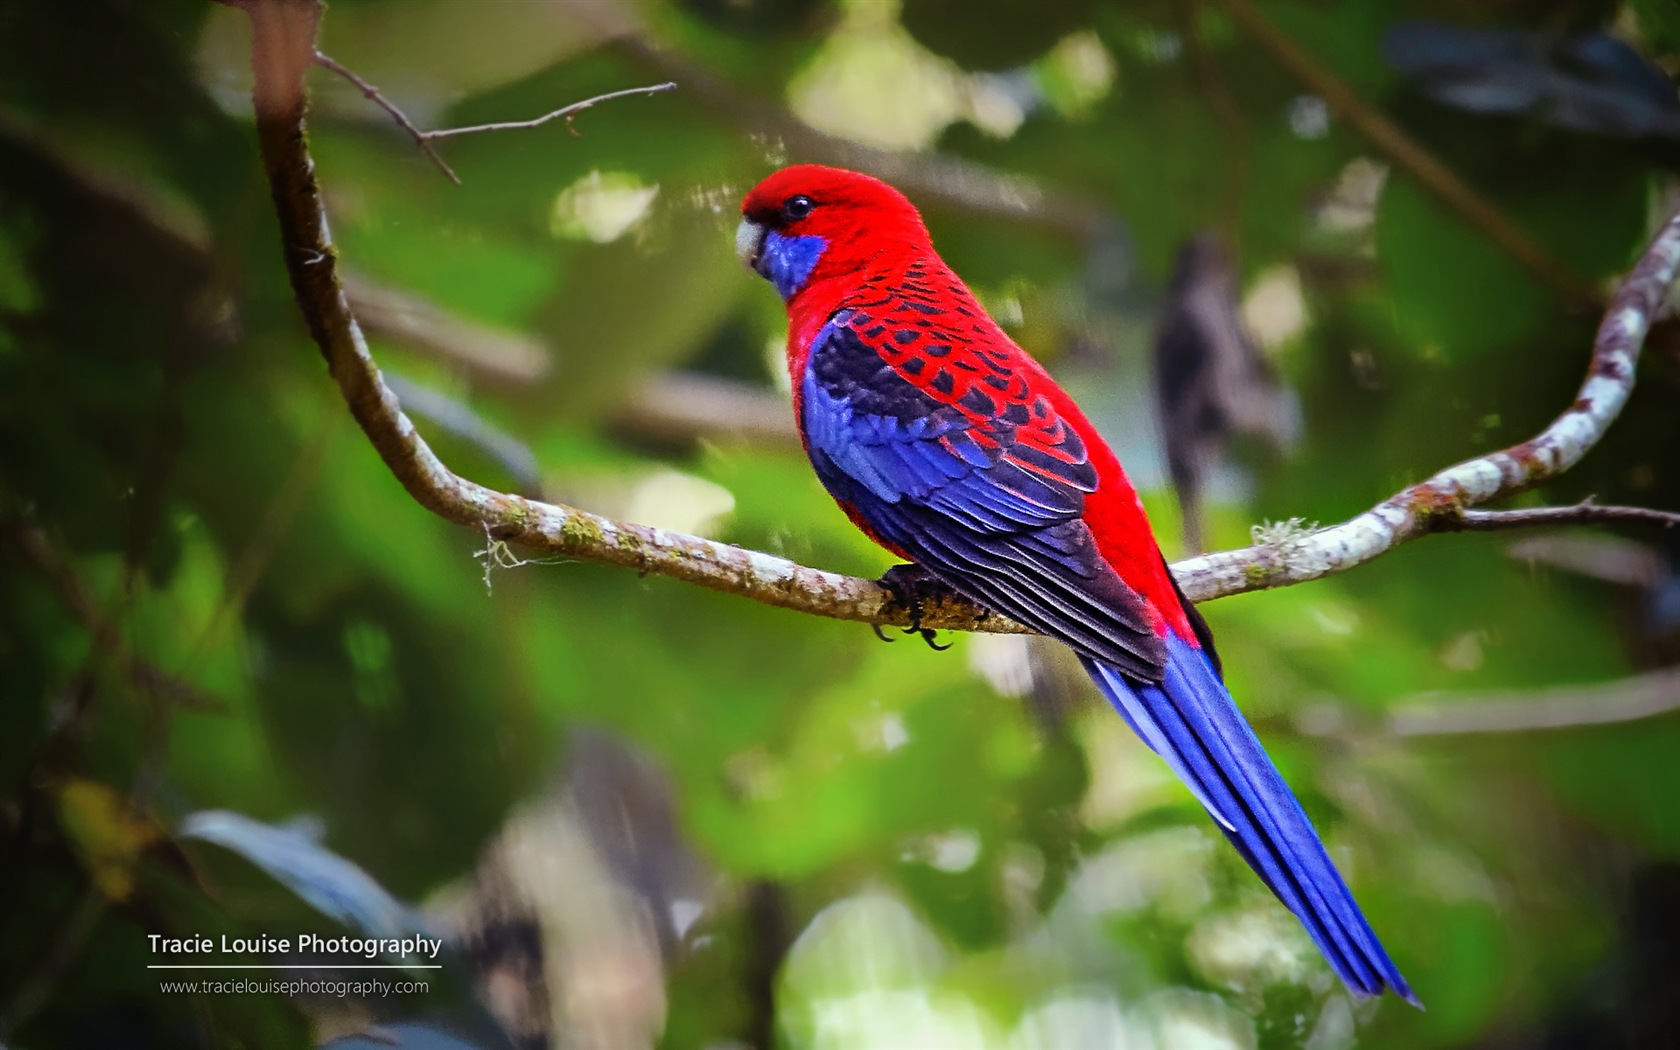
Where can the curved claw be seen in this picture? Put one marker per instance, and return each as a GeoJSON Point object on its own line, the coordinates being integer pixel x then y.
{"type": "Point", "coordinates": [911, 586]}
{"type": "Point", "coordinates": [928, 635]}
{"type": "Point", "coordinates": [880, 634]}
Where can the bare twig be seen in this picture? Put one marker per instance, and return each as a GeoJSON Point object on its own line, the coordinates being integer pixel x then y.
{"type": "Point", "coordinates": [564, 112]}
{"type": "Point", "coordinates": [284, 35]}
{"type": "Point", "coordinates": [1561, 707]}
{"type": "Point", "coordinates": [372, 94]}
{"type": "Point", "coordinates": [1585, 512]}
{"type": "Point", "coordinates": [1407, 153]}
{"type": "Point", "coordinates": [946, 179]}
{"type": "Point", "coordinates": [424, 139]}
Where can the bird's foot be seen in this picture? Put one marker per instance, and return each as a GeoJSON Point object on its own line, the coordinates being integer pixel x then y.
{"type": "Point", "coordinates": [912, 586]}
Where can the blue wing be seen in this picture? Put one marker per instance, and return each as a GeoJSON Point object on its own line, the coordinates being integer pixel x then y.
{"type": "Point", "coordinates": [994, 516]}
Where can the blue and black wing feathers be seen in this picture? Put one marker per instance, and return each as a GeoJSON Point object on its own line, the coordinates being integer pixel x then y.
{"type": "Point", "coordinates": [994, 517]}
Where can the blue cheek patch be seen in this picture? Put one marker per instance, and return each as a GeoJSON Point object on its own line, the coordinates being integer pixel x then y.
{"type": "Point", "coordinates": [788, 261]}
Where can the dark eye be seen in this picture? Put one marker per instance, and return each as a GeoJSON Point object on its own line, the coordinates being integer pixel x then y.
{"type": "Point", "coordinates": [796, 208]}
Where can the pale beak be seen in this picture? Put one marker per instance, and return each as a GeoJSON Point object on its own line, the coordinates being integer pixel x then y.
{"type": "Point", "coordinates": [749, 243]}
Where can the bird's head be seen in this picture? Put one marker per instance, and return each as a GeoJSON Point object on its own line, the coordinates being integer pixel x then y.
{"type": "Point", "coordinates": [807, 224]}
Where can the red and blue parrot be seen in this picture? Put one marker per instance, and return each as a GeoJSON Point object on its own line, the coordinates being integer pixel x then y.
{"type": "Point", "coordinates": [956, 451]}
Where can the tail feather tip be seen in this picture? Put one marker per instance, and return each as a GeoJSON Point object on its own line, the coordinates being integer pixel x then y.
{"type": "Point", "coordinates": [1190, 719]}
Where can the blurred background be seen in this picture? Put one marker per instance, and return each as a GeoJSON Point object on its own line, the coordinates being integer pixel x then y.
{"type": "Point", "coordinates": [1290, 255]}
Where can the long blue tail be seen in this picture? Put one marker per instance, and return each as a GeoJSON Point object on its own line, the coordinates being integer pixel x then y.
{"type": "Point", "coordinates": [1191, 721]}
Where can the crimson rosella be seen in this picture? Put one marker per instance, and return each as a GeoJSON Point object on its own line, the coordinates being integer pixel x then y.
{"type": "Point", "coordinates": [956, 451]}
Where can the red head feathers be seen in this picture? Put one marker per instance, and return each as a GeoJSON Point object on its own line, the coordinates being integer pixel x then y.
{"type": "Point", "coordinates": [808, 225]}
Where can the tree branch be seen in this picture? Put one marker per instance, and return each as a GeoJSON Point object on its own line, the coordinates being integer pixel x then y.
{"type": "Point", "coordinates": [284, 35]}
{"type": "Point", "coordinates": [567, 112]}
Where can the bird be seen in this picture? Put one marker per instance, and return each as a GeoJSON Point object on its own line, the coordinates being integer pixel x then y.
{"type": "Point", "coordinates": [955, 450]}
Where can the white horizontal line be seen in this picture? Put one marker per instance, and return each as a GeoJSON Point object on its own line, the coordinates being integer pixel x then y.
{"type": "Point", "coordinates": [314, 966]}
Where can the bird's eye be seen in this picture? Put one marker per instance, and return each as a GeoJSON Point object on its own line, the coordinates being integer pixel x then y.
{"type": "Point", "coordinates": [796, 208]}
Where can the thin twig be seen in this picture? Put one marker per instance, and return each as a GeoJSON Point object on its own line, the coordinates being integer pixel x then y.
{"type": "Point", "coordinates": [284, 41]}
{"type": "Point", "coordinates": [372, 94]}
{"type": "Point", "coordinates": [568, 112]}
{"type": "Point", "coordinates": [1585, 512]}
{"type": "Point", "coordinates": [424, 139]}
{"type": "Point", "coordinates": [1409, 154]}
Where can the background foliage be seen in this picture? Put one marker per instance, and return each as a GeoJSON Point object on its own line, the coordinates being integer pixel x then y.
{"type": "Point", "coordinates": [714, 823]}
